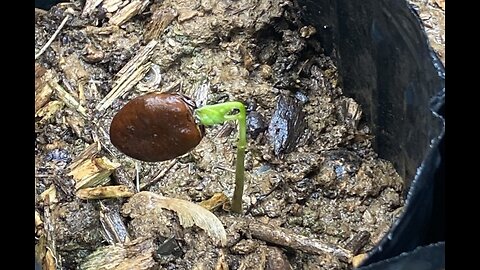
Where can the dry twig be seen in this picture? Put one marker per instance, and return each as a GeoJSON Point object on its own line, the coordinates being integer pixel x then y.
{"type": "Point", "coordinates": [52, 38]}
{"type": "Point", "coordinates": [283, 237]}
{"type": "Point", "coordinates": [159, 175]}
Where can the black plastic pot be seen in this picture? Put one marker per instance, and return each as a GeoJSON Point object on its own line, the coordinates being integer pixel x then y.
{"type": "Point", "coordinates": [389, 68]}
{"type": "Point", "coordinates": [47, 4]}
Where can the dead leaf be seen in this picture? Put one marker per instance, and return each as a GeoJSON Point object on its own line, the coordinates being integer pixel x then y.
{"type": "Point", "coordinates": [189, 214]}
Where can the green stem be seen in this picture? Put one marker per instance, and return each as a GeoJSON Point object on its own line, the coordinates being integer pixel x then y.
{"type": "Point", "coordinates": [239, 181]}
{"type": "Point", "coordinates": [218, 114]}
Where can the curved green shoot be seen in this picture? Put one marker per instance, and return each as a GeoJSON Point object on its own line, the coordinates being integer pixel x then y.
{"type": "Point", "coordinates": [210, 115]}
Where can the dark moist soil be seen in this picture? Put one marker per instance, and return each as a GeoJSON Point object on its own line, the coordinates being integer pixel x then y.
{"type": "Point", "coordinates": [310, 166]}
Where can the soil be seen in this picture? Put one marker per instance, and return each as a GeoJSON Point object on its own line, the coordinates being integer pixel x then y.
{"type": "Point", "coordinates": [432, 15]}
{"type": "Point", "coordinates": [311, 173]}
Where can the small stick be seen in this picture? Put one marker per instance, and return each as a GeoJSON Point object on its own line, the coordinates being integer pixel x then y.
{"type": "Point", "coordinates": [137, 176]}
{"type": "Point", "coordinates": [283, 237]}
{"type": "Point", "coordinates": [224, 168]}
{"type": "Point", "coordinates": [52, 38]}
{"type": "Point", "coordinates": [159, 176]}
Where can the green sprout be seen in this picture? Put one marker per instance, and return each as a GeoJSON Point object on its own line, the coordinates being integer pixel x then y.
{"type": "Point", "coordinates": [210, 115]}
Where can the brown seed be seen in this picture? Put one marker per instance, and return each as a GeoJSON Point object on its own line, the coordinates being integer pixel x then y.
{"type": "Point", "coordinates": [156, 127]}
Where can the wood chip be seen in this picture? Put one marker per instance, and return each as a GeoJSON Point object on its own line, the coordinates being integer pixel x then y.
{"type": "Point", "coordinates": [217, 200]}
{"type": "Point", "coordinates": [88, 153]}
{"type": "Point", "coordinates": [38, 219]}
{"type": "Point", "coordinates": [357, 260]}
{"type": "Point", "coordinates": [76, 123]}
{"type": "Point", "coordinates": [105, 30]}
{"type": "Point", "coordinates": [114, 230]}
{"type": "Point", "coordinates": [43, 91]}
{"type": "Point", "coordinates": [45, 113]}
{"type": "Point", "coordinates": [106, 192]}
{"type": "Point", "coordinates": [350, 112]}
{"type": "Point", "coordinates": [39, 72]}
{"type": "Point", "coordinates": [161, 19]}
{"type": "Point", "coordinates": [138, 254]}
{"type": "Point", "coordinates": [41, 248]}
{"type": "Point", "coordinates": [90, 6]}
{"type": "Point", "coordinates": [48, 259]}
{"type": "Point", "coordinates": [129, 75]}
{"type": "Point", "coordinates": [126, 13]}
{"type": "Point", "coordinates": [68, 99]}
{"type": "Point", "coordinates": [111, 5]}
{"type": "Point", "coordinates": [44, 255]}
{"type": "Point", "coordinates": [75, 74]}
{"type": "Point", "coordinates": [186, 14]}
{"type": "Point", "coordinates": [49, 195]}
{"type": "Point", "coordinates": [93, 172]}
